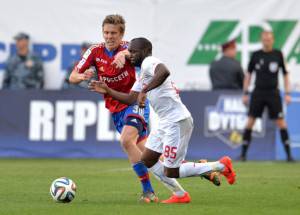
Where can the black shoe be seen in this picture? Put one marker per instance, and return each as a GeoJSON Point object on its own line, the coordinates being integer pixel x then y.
{"type": "Point", "coordinates": [242, 158]}
{"type": "Point", "coordinates": [290, 159]}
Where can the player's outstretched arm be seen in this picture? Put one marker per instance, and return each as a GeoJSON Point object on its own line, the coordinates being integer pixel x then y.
{"type": "Point", "coordinates": [76, 77]}
{"type": "Point", "coordinates": [161, 73]}
{"type": "Point", "coordinates": [101, 87]}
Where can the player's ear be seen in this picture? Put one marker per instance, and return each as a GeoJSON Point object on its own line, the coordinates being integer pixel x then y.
{"type": "Point", "coordinates": [145, 53]}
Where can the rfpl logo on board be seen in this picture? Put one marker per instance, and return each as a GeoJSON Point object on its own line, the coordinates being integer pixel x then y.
{"type": "Point", "coordinates": [66, 53]}
{"type": "Point", "coordinates": [227, 119]}
{"type": "Point", "coordinates": [63, 120]}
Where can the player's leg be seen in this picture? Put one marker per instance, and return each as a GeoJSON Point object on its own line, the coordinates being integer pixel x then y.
{"type": "Point", "coordinates": [281, 124]}
{"type": "Point", "coordinates": [256, 108]}
{"type": "Point", "coordinates": [128, 141]}
{"type": "Point", "coordinates": [276, 113]}
{"type": "Point", "coordinates": [213, 177]}
{"type": "Point", "coordinates": [175, 148]}
{"type": "Point", "coordinates": [247, 136]}
{"type": "Point", "coordinates": [151, 157]}
{"type": "Point", "coordinates": [130, 129]}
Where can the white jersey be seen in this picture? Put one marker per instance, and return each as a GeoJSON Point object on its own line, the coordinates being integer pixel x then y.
{"type": "Point", "coordinates": [164, 99]}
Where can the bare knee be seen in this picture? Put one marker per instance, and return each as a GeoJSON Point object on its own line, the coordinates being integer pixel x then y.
{"type": "Point", "coordinates": [281, 123]}
{"type": "Point", "coordinates": [127, 142]}
{"type": "Point", "coordinates": [250, 122]}
{"type": "Point", "coordinates": [149, 162]}
{"type": "Point", "coordinates": [150, 158]}
{"type": "Point", "coordinates": [128, 137]}
{"type": "Point", "coordinates": [171, 172]}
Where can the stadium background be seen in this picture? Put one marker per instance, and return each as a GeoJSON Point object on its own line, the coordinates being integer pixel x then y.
{"type": "Point", "coordinates": [186, 35]}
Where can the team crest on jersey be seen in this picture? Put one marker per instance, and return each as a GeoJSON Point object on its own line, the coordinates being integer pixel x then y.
{"type": "Point", "coordinates": [227, 119]}
{"type": "Point", "coordinates": [273, 66]}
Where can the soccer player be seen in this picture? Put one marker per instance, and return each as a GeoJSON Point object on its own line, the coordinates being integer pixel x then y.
{"type": "Point", "coordinates": [266, 63]}
{"type": "Point", "coordinates": [172, 136]}
{"type": "Point", "coordinates": [130, 120]}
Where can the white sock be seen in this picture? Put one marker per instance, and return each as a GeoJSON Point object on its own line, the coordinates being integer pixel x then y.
{"type": "Point", "coordinates": [190, 169]}
{"type": "Point", "coordinates": [171, 183]}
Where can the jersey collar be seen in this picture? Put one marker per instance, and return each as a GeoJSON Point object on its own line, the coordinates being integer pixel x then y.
{"type": "Point", "coordinates": [110, 53]}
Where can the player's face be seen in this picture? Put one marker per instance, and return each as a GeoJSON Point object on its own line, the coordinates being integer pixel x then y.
{"type": "Point", "coordinates": [267, 40]}
{"type": "Point", "coordinates": [112, 36]}
{"type": "Point", "coordinates": [136, 55]}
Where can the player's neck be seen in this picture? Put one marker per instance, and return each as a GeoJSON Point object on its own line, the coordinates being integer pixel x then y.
{"type": "Point", "coordinates": [267, 49]}
{"type": "Point", "coordinates": [112, 52]}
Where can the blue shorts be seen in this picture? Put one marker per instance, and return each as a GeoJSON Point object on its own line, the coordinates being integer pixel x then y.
{"type": "Point", "coordinates": [133, 116]}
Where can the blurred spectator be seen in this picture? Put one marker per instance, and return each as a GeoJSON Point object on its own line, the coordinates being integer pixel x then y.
{"type": "Point", "coordinates": [227, 73]}
{"type": "Point", "coordinates": [83, 84]}
{"type": "Point", "coordinates": [24, 70]}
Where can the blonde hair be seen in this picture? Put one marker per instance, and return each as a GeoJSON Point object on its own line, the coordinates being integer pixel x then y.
{"type": "Point", "coordinates": [115, 19]}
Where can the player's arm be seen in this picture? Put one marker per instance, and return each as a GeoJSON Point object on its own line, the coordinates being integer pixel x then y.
{"type": "Point", "coordinates": [120, 58]}
{"type": "Point", "coordinates": [240, 77]}
{"type": "Point", "coordinates": [82, 70]}
{"type": "Point", "coordinates": [76, 77]}
{"type": "Point", "coordinates": [125, 98]}
{"type": "Point", "coordinates": [161, 73]}
{"type": "Point", "coordinates": [246, 84]}
{"type": "Point", "coordinates": [247, 78]}
{"type": "Point", "coordinates": [286, 81]}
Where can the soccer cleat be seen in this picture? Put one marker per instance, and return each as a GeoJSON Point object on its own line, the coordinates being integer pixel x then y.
{"type": "Point", "coordinates": [290, 159]}
{"type": "Point", "coordinates": [149, 197]}
{"type": "Point", "coordinates": [228, 171]}
{"type": "Point", "coordinates": [178, 199]}
{"type": "Point", "coordinates": [213, 177]}
{"type": "Point", "coordinates": [242, 158]}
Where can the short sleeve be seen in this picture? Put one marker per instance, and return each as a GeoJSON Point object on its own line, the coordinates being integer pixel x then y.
{"type": "Point", "coordinates": [137, 87]}
{"type": "Point", "coordinates": [149, 65]}
{"type": "Point", "coordinates": [86, 60]}
{"type": "Point", "coordinates": [282, 64]}
{"type": "Point", "coordinates": [251, 64]}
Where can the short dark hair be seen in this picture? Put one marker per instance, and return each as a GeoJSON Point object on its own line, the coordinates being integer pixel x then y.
{"type": "Point", "coordinates": [22, 35]}
{"type": "Point", "coordinates": [143, 43]}
{"type": "Point", "coordinates": [115, 19]}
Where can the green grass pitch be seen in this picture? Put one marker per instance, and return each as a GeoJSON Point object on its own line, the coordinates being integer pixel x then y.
{"type": "Point", "coordinates": [110, 187]}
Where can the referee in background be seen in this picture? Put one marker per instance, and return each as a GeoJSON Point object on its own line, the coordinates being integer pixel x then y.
{"type": "Point", "coordinates": [266, 63]}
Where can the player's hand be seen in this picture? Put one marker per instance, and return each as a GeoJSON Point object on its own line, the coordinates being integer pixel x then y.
{"type": "Point", "coordinates": [77, 77]}
{"type": "Point", "coordinates": [120, 59]}
{"type": "Point", "coordinates": [287, 99]}
{"type": "Point", "coordinates": [245, 100]}
{"type": "Point", "coordinates": [142, 99]}
{"type": "Point", "coordinates": [98, 86]}
{"type": "Point", "coordinates": [88, 74]}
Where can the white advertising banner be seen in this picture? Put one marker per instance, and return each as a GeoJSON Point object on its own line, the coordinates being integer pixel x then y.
{"type": "Point", "coordinates": [186, 34]}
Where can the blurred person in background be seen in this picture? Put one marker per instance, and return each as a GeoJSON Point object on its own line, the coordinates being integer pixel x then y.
{"type": "Point", "coordinates": [84, 84]}
{"type": "Point", "coordinates": [227, 73]}
{"type": "Point", "coordinates": [24, 70]}
{"type": "Point", "coordinates": [266, 64]}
